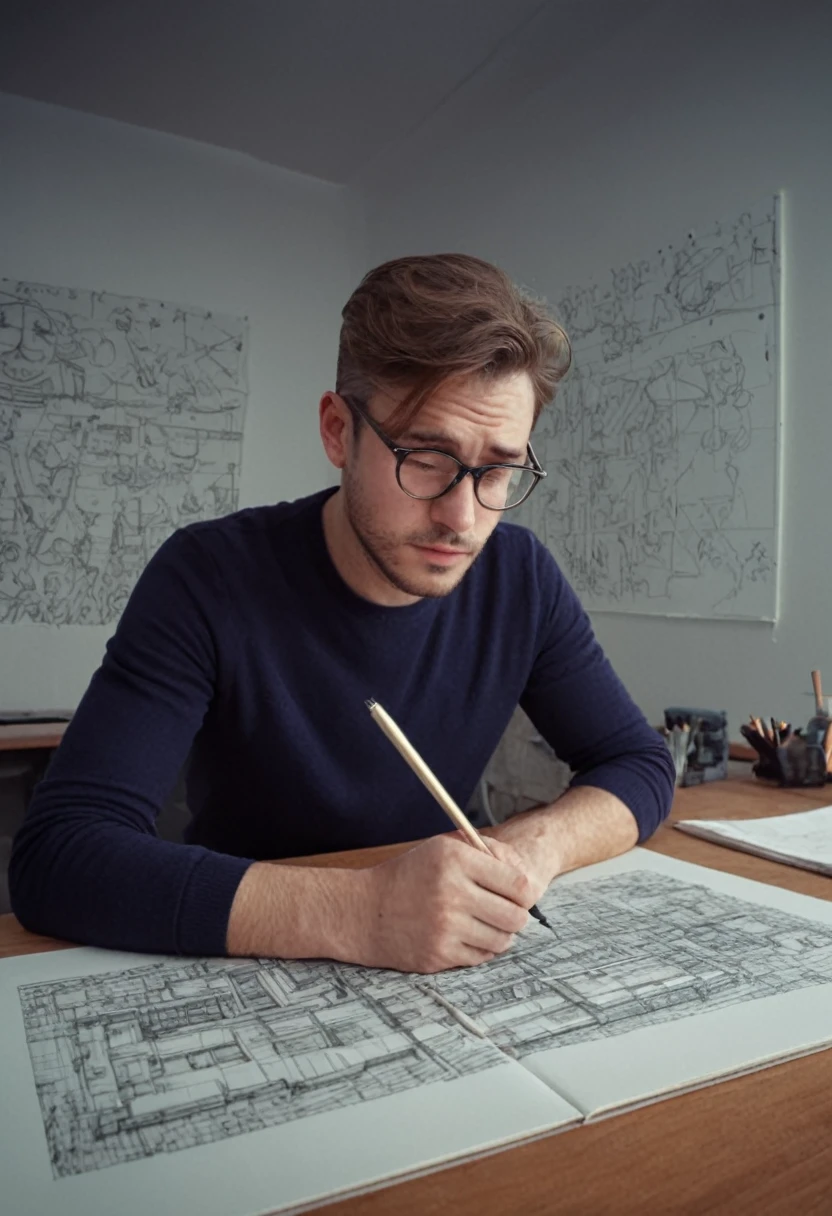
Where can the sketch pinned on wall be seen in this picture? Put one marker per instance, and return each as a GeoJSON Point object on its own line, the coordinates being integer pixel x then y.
{"type": "Point", "coordinates": [662, 445]}
{"type": "Point", "coordinates": [121, 419]}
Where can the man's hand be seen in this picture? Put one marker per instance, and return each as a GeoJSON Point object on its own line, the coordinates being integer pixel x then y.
{"type": "Point", "coordinates": [585, 825]}
{"type": "Point", "coordinates": [444, 904]}
{"type": "Point", "coordinates": [441, 904]}
{"type": "Point", "coordinates": [536, 857]}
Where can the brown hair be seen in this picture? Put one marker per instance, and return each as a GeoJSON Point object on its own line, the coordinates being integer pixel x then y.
{"type": "Point", "coordinates": [416, 322]}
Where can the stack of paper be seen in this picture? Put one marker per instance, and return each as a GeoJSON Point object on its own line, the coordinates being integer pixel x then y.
{"type": "Point", "coordinates": [135, 1084]}
{"type": "Point", "coordinates": [803, 839]}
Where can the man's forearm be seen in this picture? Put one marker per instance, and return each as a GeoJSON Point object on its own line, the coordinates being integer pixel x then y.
{"type": "Point", "coordinates": [437, 905]}
{"type": "Point", "coordinates": [583, 826]}
{"type": "Point", "coordinates": [282, 911]}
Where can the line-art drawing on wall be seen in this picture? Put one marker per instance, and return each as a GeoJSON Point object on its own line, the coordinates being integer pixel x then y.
{"type": "Point", "coordinates": [174, 1054]}
{"type": "Point", "coordinates": [634, 950]}
{"type": "Point", "coordinates": [662, 444]}
{"type": "Point", "coordinates": [121, 419]}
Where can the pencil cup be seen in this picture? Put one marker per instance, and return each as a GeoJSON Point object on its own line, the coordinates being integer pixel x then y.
{"type": "Point", "coordinates": [802, 760]}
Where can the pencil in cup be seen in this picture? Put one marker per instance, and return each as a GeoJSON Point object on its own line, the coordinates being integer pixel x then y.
{"type": "Point", "coordinates": [408, 752]}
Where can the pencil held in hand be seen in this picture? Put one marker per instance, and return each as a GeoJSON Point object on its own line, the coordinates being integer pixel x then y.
{"type": "Point", "coordinates": [406, 749]}
{"type": "Point", "coordinates": [408, 752]}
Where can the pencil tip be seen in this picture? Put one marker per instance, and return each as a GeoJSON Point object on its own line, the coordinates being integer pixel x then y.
{"type": "Point", "coordinates": [539, 917]}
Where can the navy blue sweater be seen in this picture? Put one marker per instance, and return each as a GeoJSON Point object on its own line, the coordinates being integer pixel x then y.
{"type": "Point", "coordinates": [242, 644]}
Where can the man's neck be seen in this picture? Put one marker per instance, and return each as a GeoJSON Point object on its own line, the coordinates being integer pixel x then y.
{"type": "Point", "coordinates": [352, 561]}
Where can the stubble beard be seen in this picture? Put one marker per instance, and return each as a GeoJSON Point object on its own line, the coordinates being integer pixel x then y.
{"type": "Point", "coordinates": [380, 548]}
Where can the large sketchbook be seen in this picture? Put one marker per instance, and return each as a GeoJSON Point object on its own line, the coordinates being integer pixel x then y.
{"type": "Point", "coordinates": [232, 1087]}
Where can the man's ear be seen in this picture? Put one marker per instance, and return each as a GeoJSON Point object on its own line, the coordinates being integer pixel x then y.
{"type": "Point", "coordinates": [336, 428]}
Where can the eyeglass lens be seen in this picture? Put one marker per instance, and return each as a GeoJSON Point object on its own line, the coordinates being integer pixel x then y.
{"type": "Point", "coordinates": [428, 474]}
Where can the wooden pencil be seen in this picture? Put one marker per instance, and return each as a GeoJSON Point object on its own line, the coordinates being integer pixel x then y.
{"type": "Point", "coordinates": [408, 752]}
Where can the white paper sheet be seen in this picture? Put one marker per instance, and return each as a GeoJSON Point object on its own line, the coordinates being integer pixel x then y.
{"type": "Point", "coordinates": [124, 422]}
{"type": "Point", "coordinates": [660, 976]}
{"type": "Point", "coordinates": [662, 448]}
{"type": "Point", "coordinates": [135, 1084]}
{"type": "Point", "coordinates": [345, 1137]}
{"type": "Point", "coordinates": [802, 839]}
{"type": "Point", "coordinates": [765, 990]}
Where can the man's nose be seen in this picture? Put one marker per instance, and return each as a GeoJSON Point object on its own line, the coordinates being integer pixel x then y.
{"type": "Point", "coordinates": [457, 510]}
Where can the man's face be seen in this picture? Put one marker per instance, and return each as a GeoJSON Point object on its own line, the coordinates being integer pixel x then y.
{"type": "Point", "coordinates": [423, 548]}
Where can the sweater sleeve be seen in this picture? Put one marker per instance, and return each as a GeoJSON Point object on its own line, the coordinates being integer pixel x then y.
{"type": "Point", "coordinates": [87, 864]}
{"type": "Point", "coordinates": [584, 712]}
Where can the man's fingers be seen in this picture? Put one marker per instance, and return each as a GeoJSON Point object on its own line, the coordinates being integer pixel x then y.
{"type": "Point", "coordinates": [445, 904]}
{"type": "Point", "coordinates": [506, 853]}
{"type": "Point", "coordinates": [499, 912]}
{"type": "Point", "coordinates": [471, 957]}
{"type": "Point", "coordinates": [482, 936]}
{"type": "Point", "coordinates": [497, 874]}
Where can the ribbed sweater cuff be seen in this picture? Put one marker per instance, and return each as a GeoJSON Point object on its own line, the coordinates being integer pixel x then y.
{"type": "Point", "coordinates": [202, 920]}
{"type": "Point", "coordinates": [637, 794]}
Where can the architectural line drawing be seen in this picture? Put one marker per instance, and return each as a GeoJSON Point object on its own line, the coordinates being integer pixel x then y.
{"type": "Point", "coordinates": [121, 419]}
{"type": "Point", "coordinates": [662, 444]}
{"type": "Point", "coordinates": [634, 950]}
{"type": "Point", "coordinates": [177, 1053]}
{"type": "Point", "coordinates": [174, 1054]}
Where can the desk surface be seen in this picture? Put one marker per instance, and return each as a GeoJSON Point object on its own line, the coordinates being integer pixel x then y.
{"type": "Point", "coordinates": [758, 1144]}
{"type": "Point", "coordinates": [25, 736]}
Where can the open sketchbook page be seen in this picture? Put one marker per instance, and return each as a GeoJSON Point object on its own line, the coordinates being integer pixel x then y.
{"type": "Point", "coordinates": [803, 839]}
{"type": "Point", "coordinates": [242, 1086]}
{"type": "Point", "coordinates": [136, 1084]}
{"type": "Point", "coordinates": [660, 976]}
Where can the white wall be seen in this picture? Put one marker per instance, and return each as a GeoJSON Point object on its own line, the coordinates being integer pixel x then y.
{"type": "Point", "coordinates": [86, 202]}
{"type": "Point", "coordinates": [694, 112]}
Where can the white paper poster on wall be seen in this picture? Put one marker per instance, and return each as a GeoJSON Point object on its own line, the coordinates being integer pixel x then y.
{"type": "Point", "coordinates": [662, 445]}
{"type": "Point", "coordinates": [121, 419]}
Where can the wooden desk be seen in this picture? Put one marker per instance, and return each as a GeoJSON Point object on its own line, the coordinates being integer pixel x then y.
{"type": "Point", "coordinates": [27, 748]}
{"type": "Point", "coordinates": [759, 1144]}
{"type": "Point", "coordinates": [28, 736]}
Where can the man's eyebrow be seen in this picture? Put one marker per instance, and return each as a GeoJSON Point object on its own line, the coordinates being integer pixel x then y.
{"type": "Point", "coordinates": [433, 439]}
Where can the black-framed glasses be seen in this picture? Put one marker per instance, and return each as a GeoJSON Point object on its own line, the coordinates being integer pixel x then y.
{"type": "Point", "coordinates": [428, 473]}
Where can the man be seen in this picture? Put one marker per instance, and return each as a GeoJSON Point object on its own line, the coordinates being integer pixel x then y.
{"type": "Point", "coordinates": [253, 641]}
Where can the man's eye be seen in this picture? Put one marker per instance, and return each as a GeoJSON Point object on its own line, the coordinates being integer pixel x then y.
{"type": "Point", "coordinates": [496, 477]}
